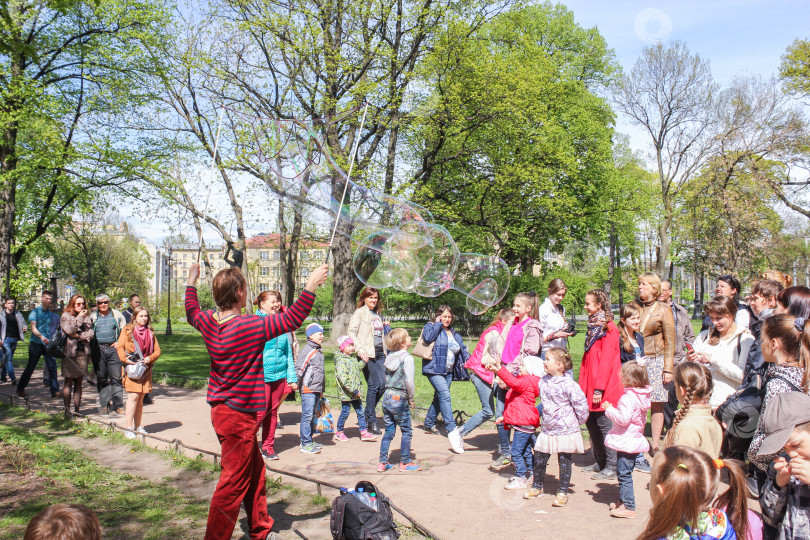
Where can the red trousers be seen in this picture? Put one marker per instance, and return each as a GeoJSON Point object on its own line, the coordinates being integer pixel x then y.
{"type": "Point", "coordinates": [268, 418]}
{"type": "Point", "coordinates": [242, 478]}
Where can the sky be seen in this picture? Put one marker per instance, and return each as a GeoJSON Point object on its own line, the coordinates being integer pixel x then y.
{"type": "Point", "coordinates": [737, 37]}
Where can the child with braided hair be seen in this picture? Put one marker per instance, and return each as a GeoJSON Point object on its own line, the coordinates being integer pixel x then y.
{"type": "Point", "coordinates": [694, 425]}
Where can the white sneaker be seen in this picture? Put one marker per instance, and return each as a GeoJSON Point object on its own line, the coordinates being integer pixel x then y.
{"type": "Point", "coordinates": [142, 431]}
{"type": "Point", "coordinates": [517, 482]}
{"type": "Point", "coordinates": [129, 434]}
{"type": "Point", "coordinates": [455, 441]}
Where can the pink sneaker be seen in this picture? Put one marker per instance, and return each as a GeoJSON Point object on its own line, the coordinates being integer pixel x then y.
{"type": "Point", "coordinates": [366, 436]}
{"type": "Point", "coordinates": [340, 436]}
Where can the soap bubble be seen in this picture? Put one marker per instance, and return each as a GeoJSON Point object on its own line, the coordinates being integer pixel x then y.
{"type": "Point", "coordinates": [484, 279]}
{"type": "Point", "coordinates": [382, 260]}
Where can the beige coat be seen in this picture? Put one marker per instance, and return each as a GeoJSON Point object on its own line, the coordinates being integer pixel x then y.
{"type": "Point", "coordinates": [361, 332]}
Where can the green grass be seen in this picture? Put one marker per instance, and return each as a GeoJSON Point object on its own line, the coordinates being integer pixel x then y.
{"type": "Point", "coordinates": [127, 506]}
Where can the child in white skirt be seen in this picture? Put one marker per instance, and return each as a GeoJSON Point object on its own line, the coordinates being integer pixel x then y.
{"type": "Point", "coordinates": [565, 408]}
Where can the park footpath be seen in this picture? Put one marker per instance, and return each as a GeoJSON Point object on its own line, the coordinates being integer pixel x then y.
{"type": "Point", "coordinates": [454, 496]}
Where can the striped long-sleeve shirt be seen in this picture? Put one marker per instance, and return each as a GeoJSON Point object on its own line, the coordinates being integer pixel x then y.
{"type": "Point", "coordinates": [236, 345]}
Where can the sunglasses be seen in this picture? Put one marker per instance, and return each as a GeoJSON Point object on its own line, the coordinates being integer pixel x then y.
{"type": "Point", "coordinates": [103, 303]}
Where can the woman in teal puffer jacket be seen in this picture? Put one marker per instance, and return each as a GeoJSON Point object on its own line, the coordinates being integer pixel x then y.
{"type": "Point", "coordinates": [279, 372]}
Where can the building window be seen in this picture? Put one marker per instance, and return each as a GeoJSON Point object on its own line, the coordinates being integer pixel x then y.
{"type": "Point", "coordinates": [264, 271]}
{"type": "Point", "coordinates": [304, 273]}
{"type": "Point", "coordinates": [276, 254]}
{"type": "Point", "coordinates": [264, 255]}
{"type": "Point", "coordinates": [185, 273]}
{"type": "Point", "coordinates": [305, 255]}
{"type": "Point", "coordinates": [275, 271]}
{"type": "Point", "coordinates": [185, 256]}
{"type": "Point", "coordinates": [264, 287]}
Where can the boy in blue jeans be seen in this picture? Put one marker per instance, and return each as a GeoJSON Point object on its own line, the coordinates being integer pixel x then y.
{"type": "Point", "coordinates": [398, 400]}
{"type": "Point", "coordinates": [309, 366]}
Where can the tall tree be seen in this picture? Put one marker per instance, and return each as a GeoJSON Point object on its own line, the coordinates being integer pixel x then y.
{"type": "Point", "coordinates": [670, 94]}
{"type": "Point", "coordinates": [511, 142]}
{"type": "Point", "coordinates": [314, 61]}
{"type": "Point", "coordinates": [68, 71]}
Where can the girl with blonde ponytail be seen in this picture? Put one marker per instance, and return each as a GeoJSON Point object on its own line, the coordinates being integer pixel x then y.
{"type": "Point", "coordinates": [694, 425]}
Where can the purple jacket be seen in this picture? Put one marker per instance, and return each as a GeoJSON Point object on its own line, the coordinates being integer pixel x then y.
{"type": "Point", "coordinates": [564, 405]}
{"type": "Point", "coordinates": [629, 417]}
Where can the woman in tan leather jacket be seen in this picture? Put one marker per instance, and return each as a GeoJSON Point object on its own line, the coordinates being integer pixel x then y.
{"type": "Point", "coordinates": [658, 328]}
{"type": "Point", "coordinates": [367, 329]}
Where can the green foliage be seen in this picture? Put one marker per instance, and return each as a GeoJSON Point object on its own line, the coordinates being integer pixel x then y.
{"type": "Point", "coordinates": [795, 68]}
{"type": "Point", "coordinates": [512, 140]}
{"type": "Point", "coordinates": [97, 261]}
{"type": "Point", "coordinates": [322, 308]}
{"type": "Point", "coordinates": [71, 73]}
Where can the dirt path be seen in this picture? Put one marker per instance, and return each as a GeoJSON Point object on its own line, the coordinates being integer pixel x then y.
{"type": "Point", "coordinates": [455, 496]}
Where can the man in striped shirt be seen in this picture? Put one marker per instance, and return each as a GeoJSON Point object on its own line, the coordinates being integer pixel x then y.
{"type": "Point", "coordinates": [236, 392]}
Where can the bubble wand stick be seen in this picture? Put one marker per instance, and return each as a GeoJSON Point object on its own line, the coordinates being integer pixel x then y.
{"type": "Point", "coordinates": [213, 166]}
{"type": "Point", "coordinates": [346, 183]}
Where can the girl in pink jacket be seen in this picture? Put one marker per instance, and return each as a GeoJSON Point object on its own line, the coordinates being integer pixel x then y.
{"type": "Point", "coordinates": [627, 434]}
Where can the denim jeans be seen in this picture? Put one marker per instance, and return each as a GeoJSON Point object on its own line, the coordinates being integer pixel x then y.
{"type": "Point", "coordinates": [625, 462]}
{"type": "Point", "coordinates": [9, 346]}
{"type": "Point", "coordinates": [375, 377]}
{"type": "Point", "coordinates": [309, 402]}
{"type": "Point", "coordinates": [35, 351]}
{"type": "Point", "coordinates": [503, 433]}
{"type": "Point", "coordinates": [522, 453]}
{"type": "Point", "coordinates": [598, 426]}
{"type": "Point", "coordinates": [396, 413]}
{"type": "Point", "coordinates": [441, 402]}
{"type": "Point", "coordinates": [345, 409]}
{"type": "Point", "coordinates": [485, 395]}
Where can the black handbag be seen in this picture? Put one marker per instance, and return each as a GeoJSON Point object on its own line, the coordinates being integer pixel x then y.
{"type": "Point", "coordinates": [56, 346]}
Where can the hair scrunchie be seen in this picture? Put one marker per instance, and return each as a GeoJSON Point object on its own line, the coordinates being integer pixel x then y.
{"type": "Point", "coordinates": [799, 323]}
{"type": "Point", "coordinates": [718, 463]}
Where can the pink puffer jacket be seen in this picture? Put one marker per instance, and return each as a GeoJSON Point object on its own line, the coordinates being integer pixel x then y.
{"type": "Point", "coordinates": [629, 417]}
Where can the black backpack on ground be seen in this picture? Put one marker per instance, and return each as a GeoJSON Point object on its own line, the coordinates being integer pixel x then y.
{"type": "Point", "coordinates": [56, 346]}
{"type": "Point", "coordinates": [351, 519]}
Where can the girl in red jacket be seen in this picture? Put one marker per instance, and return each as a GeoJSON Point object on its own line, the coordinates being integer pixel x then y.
{"type": "Point", "coordinates": [600, 379]}
{"type": "Point", "coordinates": [521, 414]}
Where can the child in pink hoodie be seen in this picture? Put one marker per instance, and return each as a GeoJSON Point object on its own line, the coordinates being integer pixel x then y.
{"type": "Point", "coordinates": [629, 417]}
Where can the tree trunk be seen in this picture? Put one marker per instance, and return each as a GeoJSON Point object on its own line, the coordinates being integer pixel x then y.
{"type": "Point", "coordinates": [345, 284]}
{"type": "Point", "coordinates": [608, 286]}
{"type": "Point", "coordinates": [663, 238]}
{"type": "Point", "coordinates": [291, 264]}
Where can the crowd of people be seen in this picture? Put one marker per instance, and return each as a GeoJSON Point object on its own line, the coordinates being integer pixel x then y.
{"type": "Point", "coordinates": [102, 337]}
{"type": "Point", "coordinates": [699, 391]}
{"type": "Point", "coordinates": [730, 403]}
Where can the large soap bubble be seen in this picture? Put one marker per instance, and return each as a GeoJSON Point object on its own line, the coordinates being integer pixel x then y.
{"type": "Point", "coordinates": [395, 241]}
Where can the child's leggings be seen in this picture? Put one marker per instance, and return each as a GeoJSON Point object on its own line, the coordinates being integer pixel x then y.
{"type": "Point", "coordinates": [540, 463]}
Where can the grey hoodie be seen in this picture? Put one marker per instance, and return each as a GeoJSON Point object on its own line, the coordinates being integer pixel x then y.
{"type": "Point", "coordinates": [392, 363]}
